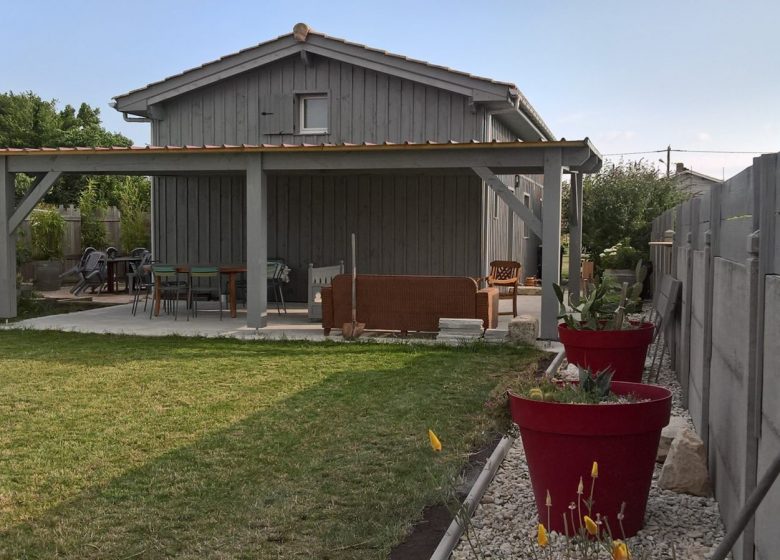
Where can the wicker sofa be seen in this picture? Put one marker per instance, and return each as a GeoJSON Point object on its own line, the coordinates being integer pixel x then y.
{"type": "Point", "coordinates": [407, 303]}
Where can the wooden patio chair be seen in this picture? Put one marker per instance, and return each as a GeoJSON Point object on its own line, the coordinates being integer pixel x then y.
{"type": "Point", "coordinates": [505, 275]}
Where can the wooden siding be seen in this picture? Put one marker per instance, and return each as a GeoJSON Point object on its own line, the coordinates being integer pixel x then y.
{"type": "Point", "coordinates": [505, 240]}
{"type": "Point", "coordinates": [365, 106]}
{"type": "Point", "coordinates": [405, 224]}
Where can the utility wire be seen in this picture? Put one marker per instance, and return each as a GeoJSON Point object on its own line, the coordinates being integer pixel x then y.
{"type": "Point", "coordinates": [691, 151]}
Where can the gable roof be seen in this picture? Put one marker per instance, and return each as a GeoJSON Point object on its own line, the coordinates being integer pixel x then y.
{"type": "Point", "coordinates": [499, 96]}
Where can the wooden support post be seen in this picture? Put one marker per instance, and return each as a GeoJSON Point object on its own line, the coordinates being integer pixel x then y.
{"type": "Point", "coordinates": [575, 236]}
{"type": "Point", "coordinates": [7, 244]}
{"type": "Point", "coordinates": [256, 243]}
{"type": "Point", "coordinates": [551, 243]}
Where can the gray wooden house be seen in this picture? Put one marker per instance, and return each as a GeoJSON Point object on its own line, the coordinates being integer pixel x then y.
{"type": "Point", "coordinates": [308, 88]}
{"type": "Point", "coordinates": [285, 148]}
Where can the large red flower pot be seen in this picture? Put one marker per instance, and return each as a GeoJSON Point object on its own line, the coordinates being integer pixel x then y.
{"type": "Point", "coordinates": [562, 441]}
{"type": "Point", "coordinates": [622, 351]}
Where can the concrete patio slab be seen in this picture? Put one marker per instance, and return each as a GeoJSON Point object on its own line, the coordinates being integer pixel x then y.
{"type": "Point", "coordinates": [293, 325]}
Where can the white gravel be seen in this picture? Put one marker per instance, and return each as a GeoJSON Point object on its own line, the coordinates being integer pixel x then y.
{"type": "Point", "coordinates": [504, 525]}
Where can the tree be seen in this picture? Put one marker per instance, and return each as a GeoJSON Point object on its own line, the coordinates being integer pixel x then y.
{"type": "Point", "coordinates": [27, 121]}
{"type": "Point", "coordinates": [620, 202]}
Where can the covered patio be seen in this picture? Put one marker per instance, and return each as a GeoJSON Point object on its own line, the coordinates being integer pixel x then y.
{"type": "Point", "coordinates": [257, 162]}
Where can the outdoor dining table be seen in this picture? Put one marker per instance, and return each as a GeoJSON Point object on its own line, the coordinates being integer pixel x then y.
{"type": "Point", "coordinates": [232, 271]}
{"type": "Point", "coordinates": [111, 270]}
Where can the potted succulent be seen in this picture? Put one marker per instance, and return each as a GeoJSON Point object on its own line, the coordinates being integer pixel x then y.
{"type": "Point", "coordinates": [596, 333]}
{"type": "Point", "coordinates": [47, 234]}
{"type": "Point", "coordinates": [566, 425]}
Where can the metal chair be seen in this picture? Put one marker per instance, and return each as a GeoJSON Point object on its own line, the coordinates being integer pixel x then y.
{"type": "Point", "coordinates": [171, 288]}
{"type": "Point", "coordinates": [202, 273]}
{"type": "Point", "coordinates": [275, 282]}
{"type": "Point", "coordinates": [93, 274]}
{"type": "Point", "coordinates": [505, 275]}
{"type": "Point", "coordinates": [140, 279]}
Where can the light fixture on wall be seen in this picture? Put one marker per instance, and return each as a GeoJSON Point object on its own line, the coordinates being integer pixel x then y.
{"type": "Point", "coordinates": [517, 182]}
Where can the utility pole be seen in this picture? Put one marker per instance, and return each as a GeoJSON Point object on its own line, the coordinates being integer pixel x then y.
{"type": "Point", "coordinates": [668, 160]}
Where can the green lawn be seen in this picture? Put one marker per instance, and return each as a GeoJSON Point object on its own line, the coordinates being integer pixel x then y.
{"type": "Point", "coordinates": [121, 447]}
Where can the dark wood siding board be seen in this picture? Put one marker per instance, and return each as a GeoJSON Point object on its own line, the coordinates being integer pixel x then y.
{"type": "Point", "coordinates": [394, 109]}
{"type": "Point", "coordinates": [382, 93]}
{"type": "Point", "coordinates": [407, 111]}
{"type": "Point", "coordinates": [214, 223]}
{"type": "Point", "coordinates": [388, 232]}
{"type": "Point", "coordinates": [375, 222]}
{"type": "Point", "coordinates": [204, 218]}
{"type": "Point", "coordinates": [347, 100]}
{"type": "Point", "coordinates": [401, 233]}
{"type": "Point", "coordinates": [297, 246]}
{"type": "Point", "coordinates": [363, 221]}
{"type": "Point", "coordinates": [340, 224]}
{"type": "Point", "coordinates": [412, 223]}
{"type": "Point", "coordinates": [444, 117]}
{"type": "Point", "coordinates": [358, 102]}
{"type": "Point", "coordinates": [418, 114]}
{"type": "Point", "coordinates": [282, 211]}
{"type": "Point", "coordinates": [242, 91]}
{"type": "Point", "coordinates": [225, 220]}
{"type": "Point", "coordinates": [370, 107]}
{"type": "Point", "coordinates": [431, 113]}
{"type": "Point", "coordinates": [328, 221]}
{"type": "Point", "coordinates": [193, 252]}
{"type": "Point", "coordinates": [473, 264]}
{"type": "Point", "coordinates": [437, 239]}
{"type": "Point", "coordinates": [273, 216]}
{"type": "Point", "coordinates": [461, 253]}
{"type": "Point", "coordinates": [457, 112]}
{"type": "Point", "coordinates": [253, 108]}
{"type": "Point", "coordinates": [449, 224]}
{"type": "Point", "coordinates": [317, 218]}
{"type": "Point", "coordinates": [424, 225]}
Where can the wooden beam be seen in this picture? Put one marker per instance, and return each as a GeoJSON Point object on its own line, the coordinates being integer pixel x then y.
{"type": "Point", "coordinates": [130, 163]}
{"type": "Point", "coordinates": [7, 244]}
{"type": "Point", "coordinates": [551, 243]}
{"type": "Point", "coordinates": [515, 205]}
{"type": "Point", "coordinates": [37, 192]}
{"type": "Point", "coordinates": [256, 243]}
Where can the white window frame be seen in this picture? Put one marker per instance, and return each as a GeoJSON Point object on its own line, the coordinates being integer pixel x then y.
{"type": "Point", "coordinates": [302, 97]}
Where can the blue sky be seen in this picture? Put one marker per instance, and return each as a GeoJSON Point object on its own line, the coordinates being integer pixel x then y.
{"type": "Point", "coordinates": [631, 76]}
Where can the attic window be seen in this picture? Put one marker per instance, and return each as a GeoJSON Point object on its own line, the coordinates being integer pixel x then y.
{"type": "Point", "coordinates": [313, 118]}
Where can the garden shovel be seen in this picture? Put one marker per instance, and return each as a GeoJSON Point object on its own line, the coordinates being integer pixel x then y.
{"type": "Point", "coordinates": [354, 329]}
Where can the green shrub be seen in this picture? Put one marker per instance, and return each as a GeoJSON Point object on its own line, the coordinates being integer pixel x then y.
{"type": "Point", "coordinates": [620, 256]}
{"type": "Point", "coordinates": [47, 233]}
{"type": "Point", "coordinates": [93, 229]}
{"type": "Point", "coordinates": [134, 204]}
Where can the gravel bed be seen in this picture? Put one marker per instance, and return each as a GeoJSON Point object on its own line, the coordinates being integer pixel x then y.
{"type": "Point", "coordinates": [504, 524]}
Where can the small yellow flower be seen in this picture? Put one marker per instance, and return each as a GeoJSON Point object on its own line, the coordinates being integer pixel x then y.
{"type": "Point", "coordinates": [541, 536]}
{"type": "Point", "coordinates": [590, 525]}
{"type": "Point", "coordinates": [580, 487]}
{"type": "Point", "coordinates": [435, 443]}
{"type": "Point", "coordinates": [594, 471]}
{"type": "Point", "coordinates": [536, 393]}
{"type": "Point", "coordinates": [619, 550]}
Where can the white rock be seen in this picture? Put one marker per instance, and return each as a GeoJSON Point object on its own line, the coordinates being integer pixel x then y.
{"type": "Point", "coordinates": [676, 425]}
{"type": "Point", "coordinates": [685, 468]}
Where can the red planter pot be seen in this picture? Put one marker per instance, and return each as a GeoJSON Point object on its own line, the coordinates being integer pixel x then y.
{"type": "Point", "coordinates": [623, 351]}
{"type": "Point", "coordinates": [561, 442]}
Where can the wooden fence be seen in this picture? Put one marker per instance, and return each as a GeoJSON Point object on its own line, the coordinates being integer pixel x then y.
{"type": "Point", "coordinates": [725, 336]}
{"type": "Point", "coordinates": [72, 248]}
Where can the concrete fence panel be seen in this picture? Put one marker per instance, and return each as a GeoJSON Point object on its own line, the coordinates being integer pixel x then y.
{"type": "Point", "coordinates": [767, 535]}
{"type": "Point", "coordinates": [727, 256]}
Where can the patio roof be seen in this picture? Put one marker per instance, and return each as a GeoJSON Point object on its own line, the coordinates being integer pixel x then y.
{"type": "Point", "coordinates": [487, 160]}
